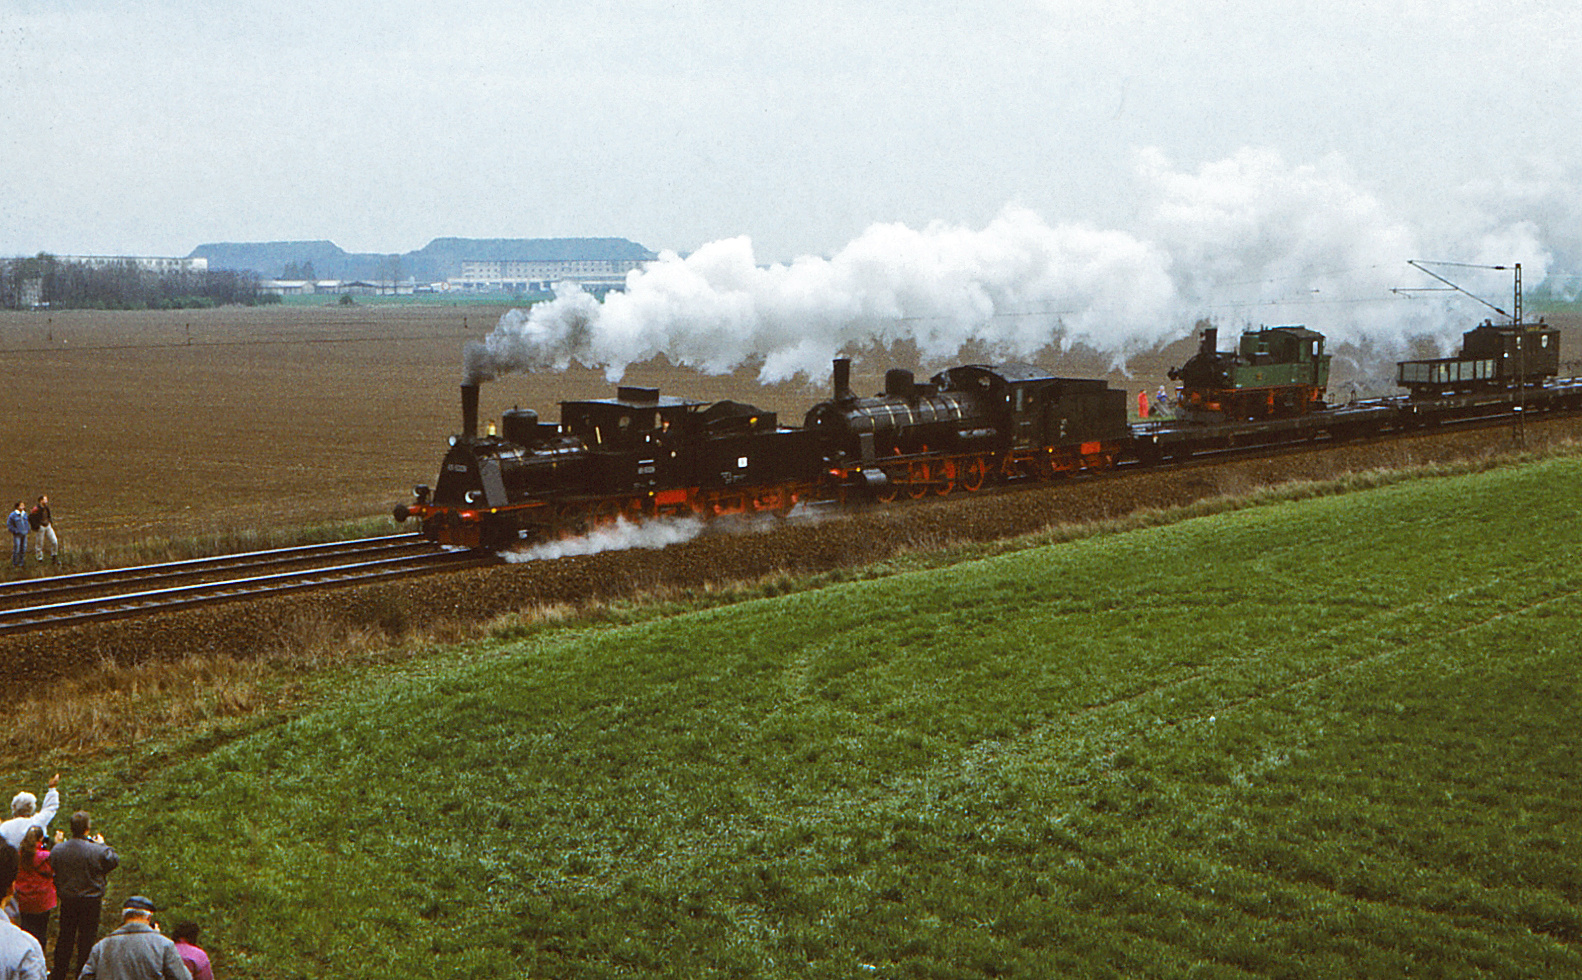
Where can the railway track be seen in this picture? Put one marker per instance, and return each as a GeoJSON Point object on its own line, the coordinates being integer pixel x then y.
{"type": "Point", "coordinates": [66, 600]}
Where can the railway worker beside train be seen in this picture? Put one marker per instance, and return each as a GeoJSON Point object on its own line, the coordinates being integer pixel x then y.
{"type": "Point", "coordinates": [25, 813]}
{"type": "Point", "coordinates": [18, 523]}
{"type": "Point", "coordinates": [43, 525]}
{"type": "Point", "coordinates": [1142, 404]}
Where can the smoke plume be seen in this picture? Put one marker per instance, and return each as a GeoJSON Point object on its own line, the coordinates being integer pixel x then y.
{"type": "Point", "coordinates": [620, 536]}
{"type": "Point", "coordinates": [1244, 241]}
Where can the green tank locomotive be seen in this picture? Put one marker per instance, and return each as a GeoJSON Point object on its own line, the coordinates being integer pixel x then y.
{"type": "Point", "coordinates": [1276, 372]}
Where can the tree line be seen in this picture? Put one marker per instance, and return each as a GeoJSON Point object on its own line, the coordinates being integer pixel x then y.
{"type": "Point", "coordinates": [44, 280]}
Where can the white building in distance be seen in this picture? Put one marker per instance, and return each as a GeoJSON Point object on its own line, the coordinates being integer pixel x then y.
{"type": "Point", "coordinates": [539, 275]}
{"type": "Point", "coordinates": [153, 263]}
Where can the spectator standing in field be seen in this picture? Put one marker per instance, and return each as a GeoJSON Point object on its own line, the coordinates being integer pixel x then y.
{"type": "Point", "coordinates": [24, 813]}
{"type": "Point", "coordinates": [19, 526]}
{"type": "Point", "coordinates": [195, 959]}
{"type": "Point", "coordinates": [81, 864]}
{"type": "Point", "coordinates": [21, 955]}
{"type": "Point", "coordinates": [35, 883]}
{"type": "Point", "coordinates": [136, 951]}
{"type": "Point", "coordinates": [43, 525]}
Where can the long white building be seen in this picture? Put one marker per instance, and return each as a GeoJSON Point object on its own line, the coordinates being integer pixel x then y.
{"type": "Point", "coordinates": [153, 263]}
{"type": "Point", "coordinates": [525, 275]}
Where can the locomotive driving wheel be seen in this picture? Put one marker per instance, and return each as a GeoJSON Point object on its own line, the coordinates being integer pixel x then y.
{"type": "Point", "coordinates": [974, 473]}
{"type": "Point", "coordinates": [919, 477]}
{"type": "Point", "coordinates": [947, 478]}
{"type": "Point", "coordinates": [605, 512]}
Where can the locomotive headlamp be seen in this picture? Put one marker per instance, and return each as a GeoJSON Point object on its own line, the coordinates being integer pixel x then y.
{"type": "Point", "coordinates": [473, 496]}
{"type": "Point", "coordinates": [453, 440]}
{"type": "Point", "coordinates": [421, 493]}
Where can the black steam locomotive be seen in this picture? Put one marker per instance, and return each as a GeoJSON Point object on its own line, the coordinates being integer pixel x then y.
{"type": "Point", "coordinates": [641, 455]}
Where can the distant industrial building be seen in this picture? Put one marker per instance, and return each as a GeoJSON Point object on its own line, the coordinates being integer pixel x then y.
{"type": "Point", "coordinates": [528, 276]}
{"type": "Point", "coordinates": [357, 287]}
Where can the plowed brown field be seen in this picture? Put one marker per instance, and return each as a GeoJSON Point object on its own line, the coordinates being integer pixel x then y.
{"type": "Point", "coordinates": [153, 424]}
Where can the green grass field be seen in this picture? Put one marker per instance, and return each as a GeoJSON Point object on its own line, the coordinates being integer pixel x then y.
{"type": "Point", "coordinates": [1327, 738]}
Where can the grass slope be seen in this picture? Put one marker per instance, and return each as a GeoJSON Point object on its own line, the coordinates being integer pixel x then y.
{"type": "Point", "coordinates": [1319, 739]}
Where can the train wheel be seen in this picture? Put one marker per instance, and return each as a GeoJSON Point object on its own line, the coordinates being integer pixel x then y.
{"type": "Point", "coordinates": [947, 478]}
{"type": "Point", "coordinates": [605, 512]}
{"type": "Point", "coordinates": [891, 488]}
{"type": "Point", "coordinates": [919, 478]}
{"type": "Point", "coordinates": [570, 521]}
{"type": "Point", "coordinates": [974, 473]}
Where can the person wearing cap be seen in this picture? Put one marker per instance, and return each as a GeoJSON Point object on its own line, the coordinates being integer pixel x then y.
{"type": "Point", "coordinates": [137, 950]}
{"type": "Point", "coordinates": [81, 864]}
{"type": "Point", "coordinates": [25, 813]}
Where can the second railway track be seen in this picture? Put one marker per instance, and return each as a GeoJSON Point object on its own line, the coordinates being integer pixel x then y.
{"type": "Point", "coordinates": [64, 600]}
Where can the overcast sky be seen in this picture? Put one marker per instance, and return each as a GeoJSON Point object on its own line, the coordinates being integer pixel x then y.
{"type": "Point", "coordinates": [154, 126]}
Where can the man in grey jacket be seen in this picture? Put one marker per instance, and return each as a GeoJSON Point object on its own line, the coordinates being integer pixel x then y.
{"type": "Point", "coordinates": [136, 951]}
{"type": "Point", "coordinates": [81, 864]}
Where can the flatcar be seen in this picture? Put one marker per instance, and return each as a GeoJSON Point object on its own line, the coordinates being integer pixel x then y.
{"type": "Point", "coordinates": [1493, 357]}
{"type": "Point", "coordinates": [1275, 372]}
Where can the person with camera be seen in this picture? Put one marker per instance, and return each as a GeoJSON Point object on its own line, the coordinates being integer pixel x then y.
{"type": "Point", "coordinates": [35, 884]}
{"type": "Point", "coordinates": [81, 864]}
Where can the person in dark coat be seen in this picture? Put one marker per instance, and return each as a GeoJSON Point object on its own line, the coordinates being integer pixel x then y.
{"type": "Point", "coordinates": [81, 864]}
{"type": "Point", "coordinates": [43, 525]}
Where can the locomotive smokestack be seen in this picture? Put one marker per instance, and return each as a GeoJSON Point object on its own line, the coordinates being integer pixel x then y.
{"type": "Point", "coordinates": [1210, 341]}
{"type": "Point", "coordinates": [843, 379]}
{"type": "Point", "coordinates": [469, 411]}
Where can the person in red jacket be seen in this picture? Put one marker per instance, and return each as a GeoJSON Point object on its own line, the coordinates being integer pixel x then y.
{"type": "Point", "coordinates": [35, 883]}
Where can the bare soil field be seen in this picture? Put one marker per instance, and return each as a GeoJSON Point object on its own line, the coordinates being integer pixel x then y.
{"type": "Point", "coordinates": [179, 423]}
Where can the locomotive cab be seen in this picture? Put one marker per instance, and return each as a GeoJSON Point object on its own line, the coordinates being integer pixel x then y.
{"type": "Point", "coordinates": [634, 437]}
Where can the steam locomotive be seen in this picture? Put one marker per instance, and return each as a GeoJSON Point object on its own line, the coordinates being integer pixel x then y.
{"type": "Point", "coordinates": [642, 455]}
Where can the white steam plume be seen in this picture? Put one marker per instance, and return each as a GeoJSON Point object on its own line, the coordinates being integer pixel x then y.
{"type": "Point", "coordinates": [1246, 241]}
{"type": "Point", "coordinates": [620, 536]}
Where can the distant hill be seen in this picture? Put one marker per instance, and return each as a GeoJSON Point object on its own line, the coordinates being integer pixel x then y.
{"type": "Point", "coordinates": [439, 259]}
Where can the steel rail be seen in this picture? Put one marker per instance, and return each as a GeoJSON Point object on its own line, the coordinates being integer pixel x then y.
{"type": "Point", "coordinates": [148, 601]}
{"type": "Point", "coordinates": [198, 566]}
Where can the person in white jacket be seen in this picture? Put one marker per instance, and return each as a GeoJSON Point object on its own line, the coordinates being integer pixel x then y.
{"type": "Point", "coordinates": [25, 813]}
